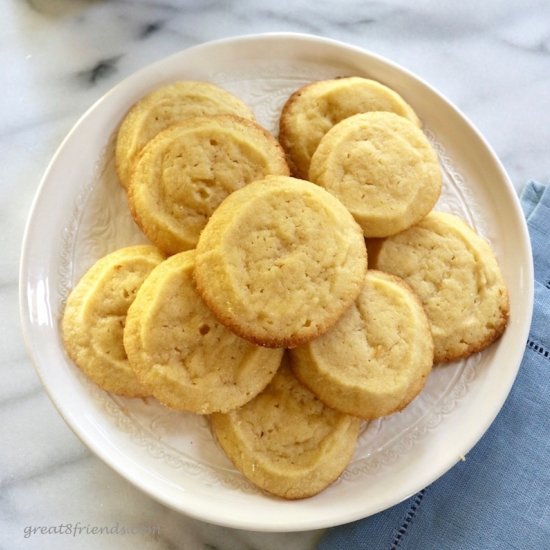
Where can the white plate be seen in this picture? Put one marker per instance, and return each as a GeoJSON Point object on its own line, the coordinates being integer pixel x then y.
{"type": "Point", "coordinates": [79, 214]}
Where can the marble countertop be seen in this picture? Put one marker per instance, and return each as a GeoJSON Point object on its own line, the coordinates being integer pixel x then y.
{"type": "Point", "coordinates": [492, 59]}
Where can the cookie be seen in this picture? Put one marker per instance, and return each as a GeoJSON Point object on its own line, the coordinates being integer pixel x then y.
{"type": "Point", "coordinates": [166, 106]}
{"type": "Point", "coordinates": [280, 261]}
{"type": "Point", "coordinates": [185, 172]}
{"type": "Point", "coordinates": [286, 441]}
{"type": "Point", "coordinates": [375, 360]}
{"type": "Point", "coordinates": [95, 314]}
{"type": "Point", "coordinates": [314, 109]}
{"type": "Point", "coordinates": [456, 275]}
{"type": "Point", "coordinates": [382, 168]}
{"type": "Point", "coordinates": [182, 355]}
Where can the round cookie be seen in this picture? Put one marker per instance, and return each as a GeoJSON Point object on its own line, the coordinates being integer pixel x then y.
{"type": "Point", "coordinates": [95, 314]}
{"type": "Point", "coordinates": [455, 273]}
{"type": "Point", "coordinates": [286, 441]}
{"type": "Point", "coordinates": [280, 261]}
{"type": "Point", "coordinates": [163, 108]}
{"type": "Point", "coordinates": [182, 355]}
{"type": "Point", "coordinates": [311, 111]}
{"type": "Point", "coordinates": [185, 172]}
{"type": "Point", "coordinates": [383, 169]}
{"type": "Point", "coordinates": [375, 360]}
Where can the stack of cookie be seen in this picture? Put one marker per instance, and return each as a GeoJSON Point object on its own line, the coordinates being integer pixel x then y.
{"type": "Point", "coordinates": [254, 305]}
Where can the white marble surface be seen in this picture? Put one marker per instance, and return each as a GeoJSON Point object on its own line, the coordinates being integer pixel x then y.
{"type": "Point", "coordinates": [492, 59]}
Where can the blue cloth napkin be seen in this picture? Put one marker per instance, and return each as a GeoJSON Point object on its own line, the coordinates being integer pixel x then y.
{"type": "Point", "coordinates": [499, 498]}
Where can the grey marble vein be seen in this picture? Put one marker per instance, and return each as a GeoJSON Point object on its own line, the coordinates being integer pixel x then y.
{"type": "Point", "coordinates": [104, 68]}
{"type": "Point", "coordinates": [151, 28]}
{"type": "Point", "coordinates": [27, 393]}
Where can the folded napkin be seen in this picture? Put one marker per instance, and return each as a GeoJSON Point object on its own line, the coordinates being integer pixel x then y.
{"type": "Point", "coordinates": [498, 498]}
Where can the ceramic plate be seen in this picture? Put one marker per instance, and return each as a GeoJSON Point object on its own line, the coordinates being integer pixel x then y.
{"type": "Point", "coordinates": [80, 214]}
